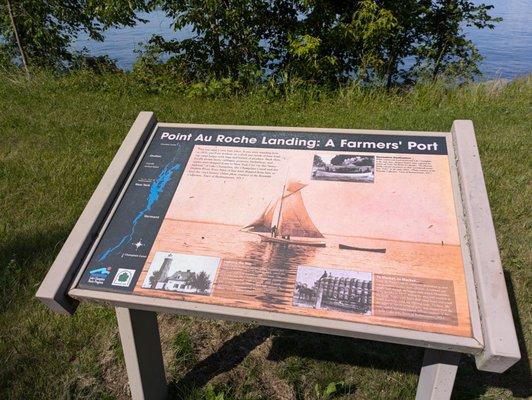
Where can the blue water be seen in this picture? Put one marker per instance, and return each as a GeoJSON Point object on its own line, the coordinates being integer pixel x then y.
{"type": "Point", "coordinates": [507, 49]}
{"type": "Point", "coordinates": [156, 188]}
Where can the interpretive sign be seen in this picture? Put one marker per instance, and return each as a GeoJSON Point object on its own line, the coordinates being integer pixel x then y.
{"type": "Point", "coordinates": [382, 235]}
{"type": "Point", "coordinates": [356, 227]}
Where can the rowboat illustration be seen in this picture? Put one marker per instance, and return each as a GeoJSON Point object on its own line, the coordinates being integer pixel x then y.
{"type": "Point", "coordinates": [373, 250]}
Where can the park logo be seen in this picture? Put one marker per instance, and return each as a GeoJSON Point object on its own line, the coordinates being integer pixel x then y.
{"type": "Point", "coordinates": [98, 276]}
{"type": "Point", "coordinates": [123, 277]}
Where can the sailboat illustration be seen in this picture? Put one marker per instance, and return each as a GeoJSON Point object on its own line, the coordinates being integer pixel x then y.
{"type": "Point", "coordinates": [286, 220]}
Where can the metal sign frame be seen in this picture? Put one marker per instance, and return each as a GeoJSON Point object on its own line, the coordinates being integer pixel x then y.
{"type": "Point", "coordinates": [493, 341]}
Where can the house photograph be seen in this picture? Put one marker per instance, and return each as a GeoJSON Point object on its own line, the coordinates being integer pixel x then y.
{"type": "Point", "coordinates": [343, 167]}
{"type": "Point", "coordinates": [185, 273]}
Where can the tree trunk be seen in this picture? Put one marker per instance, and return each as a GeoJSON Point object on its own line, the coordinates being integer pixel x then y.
{"type": "Point", "coordinates": [392, 67]}
{"type": "Point", "coordinates": [17, 39]}
{"type": "Point", "coordinates": [441, 48]}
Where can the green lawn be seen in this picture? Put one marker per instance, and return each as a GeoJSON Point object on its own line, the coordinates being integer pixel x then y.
{"type": "Point", "coordinates": [57, 137]}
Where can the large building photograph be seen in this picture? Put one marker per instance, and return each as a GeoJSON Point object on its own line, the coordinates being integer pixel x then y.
{"type": "Point", "coordinates": [333, 289]}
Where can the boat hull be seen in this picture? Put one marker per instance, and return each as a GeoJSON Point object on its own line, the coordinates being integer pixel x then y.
{"type": "Point", "coordinates": [333, 176]}
{"type": "Point", "coordinates": [265, 238]}
{"type": "Point", "coordinates": [346, 247]}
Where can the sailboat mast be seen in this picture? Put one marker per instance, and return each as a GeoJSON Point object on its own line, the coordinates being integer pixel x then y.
{"type": "Point", "coordinates": [281, 203]}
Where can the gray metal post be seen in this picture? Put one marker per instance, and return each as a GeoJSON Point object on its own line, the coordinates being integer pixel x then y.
{"type": "Point", "coordinates": [436, 379]}
{"type": "Point", "coordinates": [501, 348]}
{"type": "Point", "coordinates": [53, 291]}
{"type": "Point", "coordinates": [141, 344]}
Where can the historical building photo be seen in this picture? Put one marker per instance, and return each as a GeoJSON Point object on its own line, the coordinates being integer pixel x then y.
{"type": "Point", "coordinates": [343, 167]}
{"type": "Point", "coordinates": [185, 273]}
{"type": "Point", "coordinates": [333, 289]}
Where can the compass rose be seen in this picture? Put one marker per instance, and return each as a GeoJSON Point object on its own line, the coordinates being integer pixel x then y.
{"type": "Point", "coordinates": [138, 244]}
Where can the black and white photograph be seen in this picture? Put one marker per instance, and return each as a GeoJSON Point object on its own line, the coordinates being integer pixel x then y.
{"type": "Point", "coordinates": [185, 273]}
{"type": "Point", "coordinates": [333, 289]}
{"type": "Point", "coordinates": [343, 167]}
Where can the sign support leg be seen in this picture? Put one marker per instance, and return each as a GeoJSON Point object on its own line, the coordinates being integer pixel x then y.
{"type": "Point", "coordinates": [436, 379]}
{"type": "Point", "coordinates": [139, 334]}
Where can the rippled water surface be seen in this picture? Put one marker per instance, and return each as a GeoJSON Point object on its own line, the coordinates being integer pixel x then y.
{"type": "Point", "coordinates": [265, 273]}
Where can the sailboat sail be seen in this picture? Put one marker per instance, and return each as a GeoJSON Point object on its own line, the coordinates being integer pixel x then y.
{"type": "Point", "coordinates": [292, 187]}
{"type": "Point", "coordinates": [291, 216]}
{"type": "Point", "coordinates": [264, 222]}
{"type": "Point", "coordinates": [295, 220]}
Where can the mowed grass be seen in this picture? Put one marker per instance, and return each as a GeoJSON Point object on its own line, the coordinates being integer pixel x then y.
{"type": "Point", "coordinates": [57, 137]}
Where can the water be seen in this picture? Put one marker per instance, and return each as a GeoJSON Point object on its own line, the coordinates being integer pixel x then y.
{"type": "Point", "coordinates": [507, 49]}
{"type": "Point", "coordinates": [262, 275]}
{"type": "Point", "coordinates": [122, 44]}
{"type": "Point", "coordinates": [156, 188]}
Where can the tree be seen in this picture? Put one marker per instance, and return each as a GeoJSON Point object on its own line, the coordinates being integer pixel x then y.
{"type": "Point", "coordinates": [17, 37]}
{"type": "Point", "coordinates": [326, 42]}
{"type": "Point", "coordinates": [348, 159]}
{"type": "Point", "coordinates": [47, 28]}
{"type": "Point", "coordinates": [200, 282]}
{"type": "Point", "coordinates": [155, 277]}
{"type": "Point", "coordinates": [444, 49]}
{"type": "Point", "coordinates": [337, 41]}
{"type": "Point", "coordinates": [238, 40]}
{"type": "Point", "coordinates": [318, 161]}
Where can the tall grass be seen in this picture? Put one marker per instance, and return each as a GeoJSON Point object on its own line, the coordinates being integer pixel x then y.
{"type": "Point", "coordinates": [59, 133]}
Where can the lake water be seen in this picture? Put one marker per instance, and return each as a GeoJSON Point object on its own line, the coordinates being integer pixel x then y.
{"type": "Point", "coordinates": [262, 275]}
{"type": "Point", "coordinates": [507, 48]}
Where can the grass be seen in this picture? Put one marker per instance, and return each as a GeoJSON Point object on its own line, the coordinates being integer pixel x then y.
{"type": "Point", "coordinates": [57, 136]}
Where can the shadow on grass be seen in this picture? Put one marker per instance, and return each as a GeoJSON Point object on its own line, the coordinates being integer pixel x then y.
{"type": "Point", "coordinates": [19, 253]}
{"type": "Point", "coordinates": [30, 247]}
{"type": "Point", "coordinates": [470, 383]}
{"type": "Point", "coordinates": [232, 353]}
{"type": "Point", "coordinates": [27, 252]}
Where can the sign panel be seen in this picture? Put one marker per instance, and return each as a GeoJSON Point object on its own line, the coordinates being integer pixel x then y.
{"type": "Point", "coordinates": [351, 227]}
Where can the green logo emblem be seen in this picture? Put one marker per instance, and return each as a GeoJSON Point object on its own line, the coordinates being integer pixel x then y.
{"type": "Point", "coordinates": [123, 277]}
